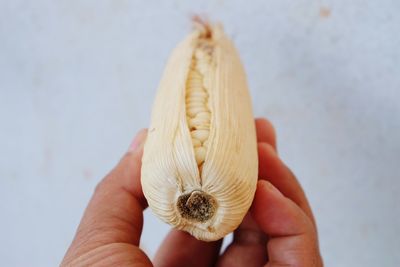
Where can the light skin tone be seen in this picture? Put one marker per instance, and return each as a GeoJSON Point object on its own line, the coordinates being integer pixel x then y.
{"type": "Point", "coordinates": [278, 231]}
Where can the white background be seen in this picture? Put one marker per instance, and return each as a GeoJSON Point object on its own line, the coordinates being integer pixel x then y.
{"type": "Point", "coordinates": [77, 80]}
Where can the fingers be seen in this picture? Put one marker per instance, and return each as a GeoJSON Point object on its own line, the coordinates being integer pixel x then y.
{"type": "Point", "coordinates": [114, 214]}
{"type": "Point", "coordinates": [247, 248]}
{"type": "Point", "coordinates": [181, 249]}
{"type": "Point", "coordinates": [271, 168]}
{"type": "Point", "coordinates": [191, 247]}
{"type": "Point", "coordinates": [293, 237]}
{"type": "Point", "coordinates": [277, 215]}
{"type": "Point", "coordinates": [286, 216]}
{"type": "Point", "coordinates": [265, 132]}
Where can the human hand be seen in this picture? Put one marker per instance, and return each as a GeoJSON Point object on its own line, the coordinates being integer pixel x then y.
{"type": "Point", "coordinates": [279, 231]}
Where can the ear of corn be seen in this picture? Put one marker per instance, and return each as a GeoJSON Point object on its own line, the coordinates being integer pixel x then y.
{"type": "Point", "coordinates": [199, 168]}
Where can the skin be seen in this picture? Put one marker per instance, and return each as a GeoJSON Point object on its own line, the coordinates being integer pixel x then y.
{"type": "Point", "coordinates": [279, 230]}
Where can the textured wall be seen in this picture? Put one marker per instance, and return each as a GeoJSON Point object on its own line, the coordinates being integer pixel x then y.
{"type": "Point", "coordinates": [77, 80]}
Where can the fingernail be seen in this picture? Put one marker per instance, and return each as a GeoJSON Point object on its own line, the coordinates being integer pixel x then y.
{"type": "Point", "coordinates": [136, 142]}
{"type": "Point", "coordinates": [270, 187]}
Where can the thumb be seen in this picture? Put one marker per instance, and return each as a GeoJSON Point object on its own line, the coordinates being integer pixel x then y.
{"type": "Point", "coordinates": [115, 212]}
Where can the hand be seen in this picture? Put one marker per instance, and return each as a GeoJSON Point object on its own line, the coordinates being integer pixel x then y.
{"type": "Point", "coordinates": [279, 230]}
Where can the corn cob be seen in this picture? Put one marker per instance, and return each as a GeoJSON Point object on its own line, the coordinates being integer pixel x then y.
{"type": "Point", "coordinates": [199, 167]}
